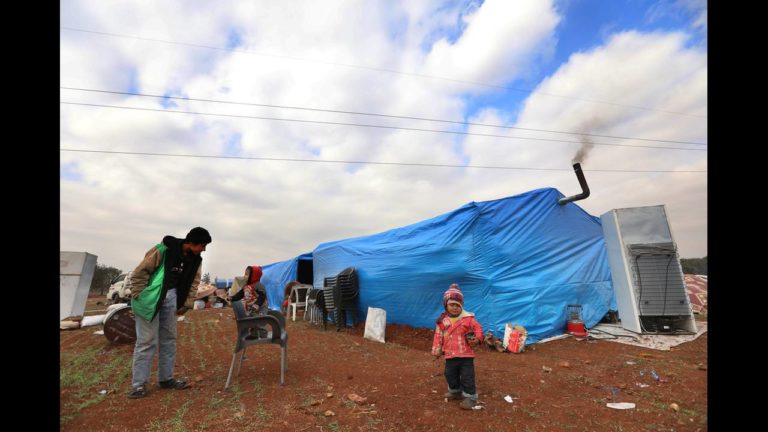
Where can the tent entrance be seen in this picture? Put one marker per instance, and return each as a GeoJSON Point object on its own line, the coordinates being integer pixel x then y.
{"type": "Point", "coordinates": [304, 272]}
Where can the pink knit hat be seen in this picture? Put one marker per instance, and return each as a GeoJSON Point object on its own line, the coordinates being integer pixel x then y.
{"type": "Point", "coordinates": [453, 294]}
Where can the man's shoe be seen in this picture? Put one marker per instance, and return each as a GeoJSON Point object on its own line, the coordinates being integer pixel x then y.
{"type": "Point", "coordinates": [468, 403]}
{"type": "Point", "coordinates": [452, 396]}
{"type": "Point", "coordinates": [174, 384]}
{"type": "Point", "coordinates": [137, 392]}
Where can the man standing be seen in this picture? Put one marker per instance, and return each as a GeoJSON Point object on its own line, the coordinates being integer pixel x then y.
{"type": "Point", "coordinates": [162, 288]}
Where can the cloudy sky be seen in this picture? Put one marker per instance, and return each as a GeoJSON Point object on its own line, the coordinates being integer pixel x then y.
{"type": "Point", "coordinates": [282, 125]}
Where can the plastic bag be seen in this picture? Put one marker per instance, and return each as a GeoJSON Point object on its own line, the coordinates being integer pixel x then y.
{"type": "Point", "coordinates": [514, 338]}
{"type": "Point", "coordinates": [375, 324]}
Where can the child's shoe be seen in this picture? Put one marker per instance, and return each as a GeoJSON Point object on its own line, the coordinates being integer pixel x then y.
{"type": "Point", "coordinates": [468, 403]}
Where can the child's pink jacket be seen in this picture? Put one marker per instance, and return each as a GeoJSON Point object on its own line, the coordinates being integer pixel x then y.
{"type": "Point", "coordinates": [450, 340]}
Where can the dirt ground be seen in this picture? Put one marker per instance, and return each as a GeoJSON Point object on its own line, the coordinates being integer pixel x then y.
{"type": "Point", "coordinates": [562, 385]}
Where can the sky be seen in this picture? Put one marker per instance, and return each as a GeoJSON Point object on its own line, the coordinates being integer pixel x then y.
{"type": "Point", "coordinates": [279, 126]}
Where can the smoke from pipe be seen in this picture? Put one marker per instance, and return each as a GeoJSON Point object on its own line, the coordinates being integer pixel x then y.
{"type": "Point", "coordinates": [583, 151]}
{"type": "Point", "coordinates": [586, 128]}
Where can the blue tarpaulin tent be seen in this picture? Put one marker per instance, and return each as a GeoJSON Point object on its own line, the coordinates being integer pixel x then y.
{"type": "Point", "coordinates": [222, 283]}
{"type": "Point", "coordinates": [519, 260]}
{"type": "Point", "coordinates": [276, 275]}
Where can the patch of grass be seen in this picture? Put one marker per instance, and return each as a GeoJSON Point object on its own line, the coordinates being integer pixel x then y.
{"type": "Point", "coordinates": [258, 389]}
{"type": "Point", "coordinates": [206, 421]}
{"type": "Point", "coordinates": [167, 399]}
{"type": "Point", "coordinates": [155, 426]}
{"type": "Point", "coordinates": [85, 373]}
{"type": "Point", "coordinates": [214, 402]}
{"type": "Point", "coordinates": [305, 398]}
{"type": "Point", "coordinates": [335, 427]}
{"type": "Point", "coordinates": [261, 413]}
{"type": "Point", "coordinates": [531, 413]}
{"type": "Point", "coordinates": [177, 422]}
{"type": "Point", "coordinates": [236, 392]}
{"type": "Point", "coordinates": [90, 402]}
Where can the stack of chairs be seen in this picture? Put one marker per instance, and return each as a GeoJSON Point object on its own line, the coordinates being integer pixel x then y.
{"type": "Point", "coordinates": [340, 294]}
{"type": "Point", "coordinates": [329, 306]}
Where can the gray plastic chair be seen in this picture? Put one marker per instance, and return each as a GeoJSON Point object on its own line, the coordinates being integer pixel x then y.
{"type": "Point", "coordinates": [277, 335]}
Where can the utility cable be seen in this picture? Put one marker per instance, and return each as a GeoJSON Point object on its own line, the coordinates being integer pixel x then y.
{"type": "Point", "coordinates": [392, 71]}
{"type": "Point", "coordinates": [375, 115]}
{"type": "Point", "coordinates": [360, 162]}
{"type": "Point", "coordinates": [370, 126]}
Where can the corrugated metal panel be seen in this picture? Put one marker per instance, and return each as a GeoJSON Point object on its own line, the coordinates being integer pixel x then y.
{"type": "Point", "coordinates": [659, 286]}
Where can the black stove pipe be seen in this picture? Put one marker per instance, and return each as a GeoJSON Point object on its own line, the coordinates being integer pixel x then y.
{"type": "Point", "coordinates": [582, 182]}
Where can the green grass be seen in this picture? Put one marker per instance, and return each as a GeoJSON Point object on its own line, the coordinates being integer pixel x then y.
{"type": "Point", "coordinates": [155, 426]}
{"type": "Point", "coordinates": [258, 389]}
{"type": "Point", "coordinates": [177, 422]}
{"type": "Point", "coordinates": [236, 392]}
{"type": "Point", "coordinates": [335, 427]}
{"type": "Point", "coordinates": [261, 413]}
{"type": "Point", "coordinates": [85, 374]}
{"type": "Point", "coordinates": [215, 402]}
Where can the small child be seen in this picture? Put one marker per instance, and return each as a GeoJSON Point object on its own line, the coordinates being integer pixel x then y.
{"type": "Point", "coordinates": [253, 294]}
{"type": "Point", "coordinates": [456, 333]}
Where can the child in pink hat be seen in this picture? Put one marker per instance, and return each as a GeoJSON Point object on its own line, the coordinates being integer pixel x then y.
{"type": "Point", "coordinates": [456, 333]}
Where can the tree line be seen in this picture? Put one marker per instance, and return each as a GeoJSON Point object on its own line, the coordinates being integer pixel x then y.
{"type": "Point", "coordinates": [694, 265]}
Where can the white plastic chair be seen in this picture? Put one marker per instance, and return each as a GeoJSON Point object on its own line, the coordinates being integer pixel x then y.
{"type": "Point", "coordinates": [298, 298]}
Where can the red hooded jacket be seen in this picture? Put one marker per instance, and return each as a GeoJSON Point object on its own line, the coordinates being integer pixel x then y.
{"type": "Point", "coordinates": [450, 339]}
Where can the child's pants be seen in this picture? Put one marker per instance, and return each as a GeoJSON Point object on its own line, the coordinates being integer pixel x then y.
{"type": "Point", "coordinates": [460, 374]}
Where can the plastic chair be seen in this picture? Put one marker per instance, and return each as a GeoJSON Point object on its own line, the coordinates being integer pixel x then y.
{"type": "Point", "coordinates": [298, 298]}
{"type": "Point", "coordinates": [277, 335]}
{"type": "Point", "coordinates": [312, 312]}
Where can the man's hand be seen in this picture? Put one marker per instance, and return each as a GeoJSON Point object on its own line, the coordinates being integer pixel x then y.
{"type": "Point", "coordinates": [182, 310]}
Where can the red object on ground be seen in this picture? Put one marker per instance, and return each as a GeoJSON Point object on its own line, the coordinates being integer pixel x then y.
{"type": "Point", "coordinates": [576, 328]}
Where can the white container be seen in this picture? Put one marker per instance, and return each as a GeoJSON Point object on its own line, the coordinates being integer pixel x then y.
{"type": "Point", "coordinates": [75, 275]}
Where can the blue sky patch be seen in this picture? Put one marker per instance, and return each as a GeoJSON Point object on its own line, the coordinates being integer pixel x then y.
{"type": "Point", "coordinates": [70, 172]}
{"type": "Point", "coordinates": [233, 145]}
{"type": "Point", "coordinates": [234, 39]}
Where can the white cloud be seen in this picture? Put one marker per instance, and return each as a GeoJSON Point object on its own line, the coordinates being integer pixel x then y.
{"type": "Point", "coordinates": [500, 39]}
{"type": "Point", "coordinates": [631, 70]}
{"type": "Point", "coordinates": [260, 212]}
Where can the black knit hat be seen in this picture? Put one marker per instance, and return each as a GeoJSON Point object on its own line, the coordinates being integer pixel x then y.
{"type": "Point", "coordinates": [198, 235]}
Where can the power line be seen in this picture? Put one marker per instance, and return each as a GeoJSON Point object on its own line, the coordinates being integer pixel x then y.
{"type": "Point", "coordinates": [364, 162]}
{"type": "Point", "coordinates": [375, 115]}
{"type": "Point", "coordinates": [369, 126]}
{"type": "Point", "coordinates": [353, 66]}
